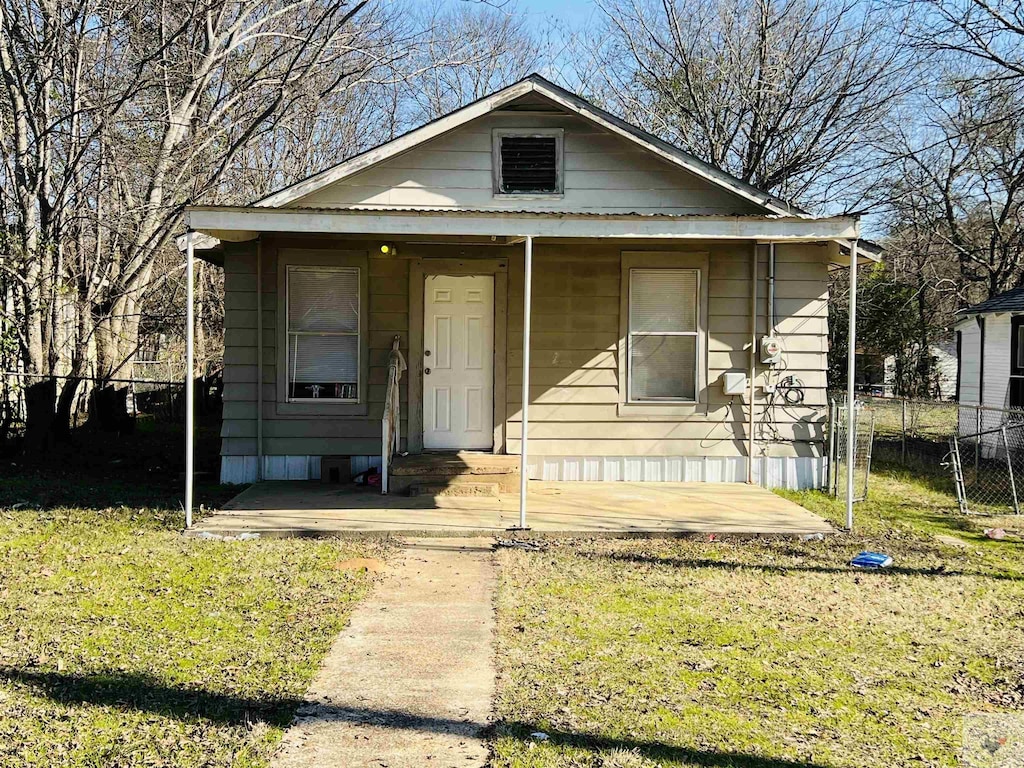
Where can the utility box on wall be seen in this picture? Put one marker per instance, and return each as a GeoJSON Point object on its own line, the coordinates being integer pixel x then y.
{"type": "Point", "coordinates": [734, 382]}
{"type": "Point", "coordinates": [771, 350]}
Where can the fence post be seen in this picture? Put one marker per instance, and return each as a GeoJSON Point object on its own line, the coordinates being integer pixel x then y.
{"type": "Point", "coordinates": [1009, 468]}
{"type": "Point", "coordinates": [977, 441]}
{"type": "Point", "coordinates": [903, 433]}
{"type": "Point", "coordinates": [958, 474]}
{"type": "Point", "coordinates": [830, 462]}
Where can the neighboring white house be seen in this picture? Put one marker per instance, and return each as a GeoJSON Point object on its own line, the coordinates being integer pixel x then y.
{"type": "Point", "coordinates": [946, 366]}
{"type": "Point", "coordinates": [991, 352]}
{"type": "Point", "coordinates": [678, 316]}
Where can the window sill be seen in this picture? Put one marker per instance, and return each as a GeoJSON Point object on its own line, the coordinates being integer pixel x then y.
{"type": "Point", "coordinates": [529, 195]}
{"type": "Point", "coordinates": [661, 411]}
{"type": "Point", "coordinates": [312, 408]}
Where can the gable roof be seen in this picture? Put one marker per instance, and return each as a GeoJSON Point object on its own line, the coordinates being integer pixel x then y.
{"type": "Point", "coordinates": [571, 103]}
{"type": "Point", "coordinates": [1009, 301]}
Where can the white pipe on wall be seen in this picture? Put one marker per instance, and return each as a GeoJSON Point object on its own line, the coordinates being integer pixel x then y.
{"type": "Point", "coordinates": [190, 323]}
{"type": "Point", "coordinates": [851, 372]}
{"type": "Point", "coordinates": [753, 362]}
{"type": "Point", "coordinates": [771, 289]}
{"type": "Point", "coordinates": [527, 296]}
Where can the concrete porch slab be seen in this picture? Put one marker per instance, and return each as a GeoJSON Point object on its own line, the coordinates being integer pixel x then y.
{"type": "Point", "coordinates": [295, 508]}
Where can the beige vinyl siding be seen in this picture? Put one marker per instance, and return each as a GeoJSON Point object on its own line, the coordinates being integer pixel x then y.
{"type": "Point", "coordinates": [575, 379]}
{"type": "Point", "coordinates": [575, 387]}
{"type": "Point", "coordinates": [602, 173]}
{"type": "Point", "coordinates": [312, 434]}
{"type": "Point", "coordinates": [995, 389]}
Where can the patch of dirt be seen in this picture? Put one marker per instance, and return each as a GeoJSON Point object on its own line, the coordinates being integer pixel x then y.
{"type": "Point", "coordinates": [368, 564]}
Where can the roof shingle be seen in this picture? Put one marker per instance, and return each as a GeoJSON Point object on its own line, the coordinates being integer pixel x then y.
{"type": "Point", "coordinates": [1009, 301]}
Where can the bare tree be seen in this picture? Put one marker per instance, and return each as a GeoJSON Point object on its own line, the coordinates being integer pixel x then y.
{"type": "Point", "coordinates": [118, 116]}
{"type": "Point", "coordinates": [785, 94]}
{"type": "Point", "coordinates": [466, 52]}
{"type": "Point", "coordinates": [958, 188]}
{"type": "Point", "coordinates": [986, 33]}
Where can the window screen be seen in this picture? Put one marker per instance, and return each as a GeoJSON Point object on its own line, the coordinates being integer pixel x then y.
{"type": "Point", "coordinates": [663, 329]}
{"type": "Point", "coordinates": [323, 333]}
{"type": "Point", "coordinates": [529, 164]}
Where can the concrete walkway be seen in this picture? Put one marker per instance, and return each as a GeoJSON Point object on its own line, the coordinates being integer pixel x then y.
{"type": "Point", "coordinates": [411, 680]}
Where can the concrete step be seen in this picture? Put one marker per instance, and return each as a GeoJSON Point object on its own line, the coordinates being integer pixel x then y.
{"type": "Point", "coordinates": [447, 469]}
{"type": "Point", "coordinates": [461, 463]}
{"type": "Point", "coordinates": [504, 483]}
{"type": "Point", "coordinates": [420, 488]}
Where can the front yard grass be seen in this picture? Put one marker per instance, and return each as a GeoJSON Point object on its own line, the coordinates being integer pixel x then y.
{"type": "Point", "coordinates": [124, 644]}
{"type": "Point", "coordinates": [763, 653]}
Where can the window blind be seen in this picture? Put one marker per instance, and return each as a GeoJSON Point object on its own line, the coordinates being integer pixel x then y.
{"type": "Point", "coordinates": [663, 334]}
{"type": "Point", "coordinates": [323, 300]}
{"type": "Point", "coordinates": [663, 300]}
{"type": "Point", "coordinates": [323, 333]}
{"type": "Point", "coordinates": [322, 359]}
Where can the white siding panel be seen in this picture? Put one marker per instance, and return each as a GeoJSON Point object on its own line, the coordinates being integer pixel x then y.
{"type": "Point", "coordinates": [238, 470]}
{"type": "Point", "coordinates": [674, 469]}
{"type": "Point", "coordinates": [793, 472]}
{"type": "Point", "coordinates": [612, 468]}
{"type": "Point", "coordinates": [235, 470]}
{"type": "Point", "coordinates": [996, 386]}
{"type": "Point", "coordinates": [772, 472]}
{"type": "Point", "coordinates": [970, 362]}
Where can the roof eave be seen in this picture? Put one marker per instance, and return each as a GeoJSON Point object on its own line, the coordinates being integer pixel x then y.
{"type": "Point", "coordinates": [233, 223]}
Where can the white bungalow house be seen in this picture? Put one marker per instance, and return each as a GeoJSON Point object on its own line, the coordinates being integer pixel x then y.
{"type": "Point", "coordinates": [990, 348]}
{"type": "Point", "coordinates": [555, 278]}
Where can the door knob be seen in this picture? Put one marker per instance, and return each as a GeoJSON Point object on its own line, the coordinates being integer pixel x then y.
{"type": "Point", "coordinates": [426, 353]}
{"type": "Point", "coordinates": [426, 371]}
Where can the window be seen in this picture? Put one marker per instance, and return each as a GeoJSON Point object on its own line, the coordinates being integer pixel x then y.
{"type": "Point", "coordinates": [662, 345]}
{"type": "Point", "coordinates": [323, 333]}
{"type": "Point", "coordinates": [528, 162]}
{"type": "Point", "coordinates": [1017, 362]}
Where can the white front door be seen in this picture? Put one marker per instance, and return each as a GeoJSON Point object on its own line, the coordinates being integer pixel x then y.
{"type": "Point", "coordinates": [458, 362]}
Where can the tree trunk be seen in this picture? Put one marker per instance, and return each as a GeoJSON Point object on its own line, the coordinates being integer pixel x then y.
{"type": "Point", "coordinates": [63, 418]}
{"type": "Point", "coordinates": [108, 410]}
{"type": "Point", "coordinates": [117, 335]}
{"type": "Point", "coordinates": [40, 399]}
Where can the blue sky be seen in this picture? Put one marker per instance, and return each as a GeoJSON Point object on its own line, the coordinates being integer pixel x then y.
{"type": "Point", "coordinates": [572, 12]}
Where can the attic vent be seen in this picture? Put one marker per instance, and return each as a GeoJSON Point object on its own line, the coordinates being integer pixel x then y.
{"type": "Point", "coordinates": [528, 163]}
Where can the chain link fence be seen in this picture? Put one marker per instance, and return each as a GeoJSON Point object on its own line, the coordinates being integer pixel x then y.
{"type": "Point", "coordinates": [978, 449]}
{"type": "Point", "coordinates": [988, 467]}
{"type": "Point", "coordinates": [863, 441]}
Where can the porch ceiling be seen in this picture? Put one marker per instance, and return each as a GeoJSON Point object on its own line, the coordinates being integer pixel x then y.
{"type": "Point", "coordinates": [291, 508]}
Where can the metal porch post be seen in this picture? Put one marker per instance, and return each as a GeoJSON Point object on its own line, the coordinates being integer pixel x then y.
{"type": "Point", "coordinates": [190, 322]}
{"type": "Point", "coordinates": [751, 384]}
{"type": "Point", "coordinates": [259, 358]}
{"type": "Point", "coordinates": [523, 457]}
{"type": "Point", "coordinates": [851, 371]}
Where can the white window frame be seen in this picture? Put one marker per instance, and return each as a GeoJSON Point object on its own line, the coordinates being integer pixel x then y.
{"type": "Point", "coordinates": [663, 410]}
{"type": "Point", "coordinates": [696, 333]}
{"type": "Point", "coordinates": [500, 133]}
{"type": "Point", "coordinates": [357, 333]}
